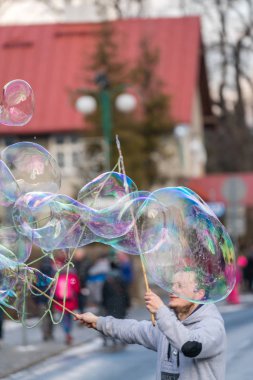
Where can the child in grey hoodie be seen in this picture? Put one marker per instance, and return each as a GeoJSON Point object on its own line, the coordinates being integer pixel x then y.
{"type": "Point", "coordinates": [189, 338]}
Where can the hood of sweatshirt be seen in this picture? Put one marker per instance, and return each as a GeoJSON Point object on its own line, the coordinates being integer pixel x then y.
{"type": "Point", "coordinates": [205, 311]}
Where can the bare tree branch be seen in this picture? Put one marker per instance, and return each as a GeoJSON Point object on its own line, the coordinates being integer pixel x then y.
{"type": "Point", "coordinates": [122, 8]}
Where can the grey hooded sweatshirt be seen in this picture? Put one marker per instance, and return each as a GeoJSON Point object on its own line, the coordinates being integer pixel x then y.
{"type": "Point", "coordinates": [193, 349]}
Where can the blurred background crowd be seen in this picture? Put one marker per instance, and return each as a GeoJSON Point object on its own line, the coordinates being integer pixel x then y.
{"type": "Point", "coordinates": [99, 282]}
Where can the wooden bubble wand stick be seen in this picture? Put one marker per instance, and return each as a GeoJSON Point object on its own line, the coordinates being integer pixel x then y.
{"type": "Point", "coordinates": [135, 228]}
{"type": "Point", "coordinates": [52, 299]}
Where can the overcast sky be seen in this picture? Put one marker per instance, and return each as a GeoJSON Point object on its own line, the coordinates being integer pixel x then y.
{"type": "Point", "coordinates": [32, 11]}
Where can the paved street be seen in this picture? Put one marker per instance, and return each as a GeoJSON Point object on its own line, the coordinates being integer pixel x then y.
{"type": "Point", "coordinates": [93, 362]}
{"type": "Point", "coordinates": [239, 327]}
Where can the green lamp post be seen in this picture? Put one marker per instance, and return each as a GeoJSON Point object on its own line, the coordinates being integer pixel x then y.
{"type": "Point", "coordinates": [87, 104]}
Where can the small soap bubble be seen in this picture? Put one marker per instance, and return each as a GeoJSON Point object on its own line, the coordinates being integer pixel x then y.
{"type": "Point", "coordinates": [32, 166]}
{"type": "Point", "coordinates": [17, 105]}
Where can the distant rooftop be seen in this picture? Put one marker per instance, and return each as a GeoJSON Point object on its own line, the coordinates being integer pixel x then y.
{"type": "Point", "coordinates": [53, 58]}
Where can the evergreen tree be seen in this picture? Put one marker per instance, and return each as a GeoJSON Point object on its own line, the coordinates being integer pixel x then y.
{"type": "Point", "coordinates": [140, 131]}
{"type": "Point", "coordinates": [156, 123]}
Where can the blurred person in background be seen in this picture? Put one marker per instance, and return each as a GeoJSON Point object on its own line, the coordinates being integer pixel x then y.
{"type": "Point", "coordinates": [66, 293]}
{"type": "Point", "coordinates": [115, 296]}
{"type": "Point", "coordinates": [95, 281]}
{"type": "Point", "coordinates": [46, 267]}
{"type": "Point", "coordinates": [125, 266]}
{"type": "Point", "coordinates": [82, 265]}
{"type": "Point", "coordinates": [248, 271]}
{"type": "Point", "coordinates": [241, 264]}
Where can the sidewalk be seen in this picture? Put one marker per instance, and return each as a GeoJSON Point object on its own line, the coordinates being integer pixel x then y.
{"type": "Point", "coordinates": [22, 347]}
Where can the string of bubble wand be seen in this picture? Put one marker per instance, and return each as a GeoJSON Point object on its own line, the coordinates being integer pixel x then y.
{"type": "Point", "coordinates": [121, 167]}
{"type": "Point", "coordinates": [50, 297]}
{"type": "Point", "coordinates": [41, 292]}
{"type": "Point", "coordinates": [84, 227]}
{"type": "Point", "coordinates": [137, 238]}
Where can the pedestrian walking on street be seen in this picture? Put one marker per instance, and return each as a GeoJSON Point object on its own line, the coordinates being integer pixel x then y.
{"type": "Point", "coordinates": [41, 301]}
{"type": "Point", "coordinates": [95, 280]}
{"type": "Point", "coordinates": [82, 265]}
{"type": "Point", "coordinates": [248, 272]}
{"type": "Point", "coordinates": [115, 297]}
{"type": "Point", "coordinates": [66, 293]}
{"type": "Point", "coordinates": [189, 338]}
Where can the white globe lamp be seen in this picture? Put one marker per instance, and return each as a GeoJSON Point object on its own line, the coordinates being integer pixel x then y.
{"type": "Point", "coordinates": [86, 104]}
{"type": "Point", "coordinates": [125, 103]}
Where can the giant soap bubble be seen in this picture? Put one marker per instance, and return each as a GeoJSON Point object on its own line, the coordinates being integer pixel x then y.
{"type": "Point", "coordinates": [196, 250]}
{"type": "Point", "coordinates": [133, 223]}
{"type": "Point", "coordinates": [17, 105]}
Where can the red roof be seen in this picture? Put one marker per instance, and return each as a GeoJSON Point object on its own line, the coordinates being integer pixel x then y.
{"type": "Point", "coordinates": [52, 59]}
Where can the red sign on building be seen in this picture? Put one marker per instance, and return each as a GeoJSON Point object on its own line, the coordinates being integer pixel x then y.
{"type": "Point", "coordinates": [227, 188]}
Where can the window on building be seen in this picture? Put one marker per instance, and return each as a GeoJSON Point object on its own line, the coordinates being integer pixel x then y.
{"type": "Point", "coordinates": [75, 159]}
{"type": "Point", "coordinates": [60, 159]}
{"type": "Point", "coordinates": [9, 140]}
{"type": "Point", "coordinates": [74, 138]}
{"type": "Point", "coordinates": [59, 139]}
{"type": "Point", "coordinates": [67, 150]}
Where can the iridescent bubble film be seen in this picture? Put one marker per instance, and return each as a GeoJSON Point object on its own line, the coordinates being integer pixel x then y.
{"type": "Point", "coordinates": [196, 260]}
{"type": "Point", "coordinates": [17, 105]}
{"type": "Point", "coordinates": [32, 166]}
{"type": "Point", "coordinates": [8, 272]}
{"type": "Point", "coordinates": [9, 190]}
{"type": "Point", "coordinates": [24, 279]}
{"type": "Point", "coordinates": [19, 245]}
{"type": "Point", "coordinates": [104, 190]}
{"type": "Point", "coordinates": [54, 221]}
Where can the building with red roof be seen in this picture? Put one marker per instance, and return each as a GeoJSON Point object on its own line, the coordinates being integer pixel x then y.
{"type": "Point", "coordinates": [54, 58]}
